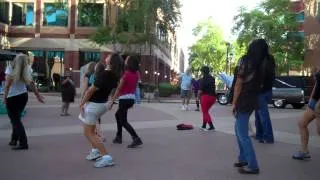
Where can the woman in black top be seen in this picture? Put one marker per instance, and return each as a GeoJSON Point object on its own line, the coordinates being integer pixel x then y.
{"type": "Point", "coordinates": [245, 100]}
{"type": "Point", "coordinates": [93, 106]}
{"type": "Point", "coordinates": [207, 93]}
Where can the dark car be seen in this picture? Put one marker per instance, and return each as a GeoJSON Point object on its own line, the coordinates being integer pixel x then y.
{"type": "Point", "coordinates": [294, 90]}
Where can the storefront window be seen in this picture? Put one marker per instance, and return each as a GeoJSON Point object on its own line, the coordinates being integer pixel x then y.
{"type": "Point", "coordinates": [22, 14]}
{"type": "Point", "coordinates": [55, 14]}
{"type": "Point", "coordinates": [86, 57]}
{"type": "Point", "coordinates": [90, 14]}
{"type": "Point", "coordinates": [4, 12]}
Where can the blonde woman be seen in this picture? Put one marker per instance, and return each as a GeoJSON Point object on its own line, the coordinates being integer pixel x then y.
{"type": "Point", "coordinates": [16, 97]}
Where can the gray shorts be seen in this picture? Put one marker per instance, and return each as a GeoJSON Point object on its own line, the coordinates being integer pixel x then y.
{"type": "Point", "coordinates": [185, 93]}
{"type": "Point", "coordinates": [92, 112]}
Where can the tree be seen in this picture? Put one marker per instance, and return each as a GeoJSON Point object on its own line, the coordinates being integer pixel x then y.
{"type": "Point", "coordinates": [274, 21]}
{"type": "Point", "coordinates": [136, 22]}
{"type": "Point", "coordinates": [210, 49]}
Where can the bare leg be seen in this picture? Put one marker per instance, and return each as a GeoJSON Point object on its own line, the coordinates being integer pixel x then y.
{"type": "Point", "coordinates": [67, 108]}
{"type": "Point", "coordinates": [89, 132]}
{"type": "Point", "coordinates": [63, 108]}
{"type": "Point", "coordinates": [307, 117]}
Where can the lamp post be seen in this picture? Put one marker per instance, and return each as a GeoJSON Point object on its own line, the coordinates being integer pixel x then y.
{"type": "Point", "coordinates": [227, 59]}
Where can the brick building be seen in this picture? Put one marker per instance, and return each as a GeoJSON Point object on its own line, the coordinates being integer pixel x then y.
{"type": "Point", "coordinates": [57, 37]}
{"type": "Point", "coordinates": [308, 14]}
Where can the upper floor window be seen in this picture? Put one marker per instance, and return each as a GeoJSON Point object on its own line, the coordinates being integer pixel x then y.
{"type": "Point", "coordinates": [86, 57]}
{"type": "Point", "coordinates": [22, 14]}
{"type": "Point", "coordinates": [90, 14]}
{"type": "Point", "coordinates": [4, 12]}
{"type": "Point", "coordinates": [55, 14]}
{"type": "Point", "coordinates": [300, 17]}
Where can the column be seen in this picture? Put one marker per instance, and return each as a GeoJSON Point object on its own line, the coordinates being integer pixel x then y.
{"type": "Point", "coordinates": [38, 17]}
{"type": "Point", "coordinates": [73, 18]}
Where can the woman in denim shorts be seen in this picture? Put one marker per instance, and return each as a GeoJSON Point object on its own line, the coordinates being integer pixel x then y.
{"type": "Point", "coordinates": [308, 116]}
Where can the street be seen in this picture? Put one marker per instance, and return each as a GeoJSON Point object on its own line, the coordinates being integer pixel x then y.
{"type": "Point", "coordinates": [58, 148]}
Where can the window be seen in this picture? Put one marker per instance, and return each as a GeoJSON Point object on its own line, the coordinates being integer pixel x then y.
{"type": "Point", "coordinates": [90, 14]}
{"type": "Point", "coordinates": [55, 14]}
{"type": "Point", "coordinates": [86, 57]}
{"type": "Point", "coordinates": [300, 17]}
{"type": "Point", "coordinates": [4, 12]}
{"type": "Point", "coordinates": [22, 14]}
{"type": "Point", "coordinates": [318, 8]}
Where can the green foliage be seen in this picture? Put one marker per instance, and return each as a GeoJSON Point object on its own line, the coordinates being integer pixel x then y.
{"type": "Point", "coordinates": [210, 49]}
{"type": "Point", "coordinates": [166, 89]}
{"type": "Point", "coordinates": [148, 88]}
{"type": "Point", "coordinates": [274, 21]}
{"type": "Point", "coordinates": [137, 19]}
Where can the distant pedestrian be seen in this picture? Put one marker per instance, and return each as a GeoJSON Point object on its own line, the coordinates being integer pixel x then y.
{"type": "Point", "coordinates": [195, 89]}
{"type": "Point", "coordinates": [93, 106]}
{"type": "Point", "coordinates": [264, 131]}
{"type": "Point", "coordinates": [309, 115]}
{"type": "Point", "coordinates": [245, 100]}
{"type": "Point", "coordinates": [207, 94]}
{"type": "Point", "coordinates": [68, 92]}
{"type": "Point", "coordinates": [16, 97]}
{"type": "Point", "coordinates": [126, 94]}
{"type": "Point", "coordinates": [185, 84]}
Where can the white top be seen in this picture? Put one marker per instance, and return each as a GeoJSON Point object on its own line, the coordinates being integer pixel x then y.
{"type": "Point", "coordinates": [19, 87]}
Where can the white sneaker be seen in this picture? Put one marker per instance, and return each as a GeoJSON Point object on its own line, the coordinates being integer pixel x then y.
{"type": "Point", "coordinates": [93, 155]}
{"type": "Point", "coordinates": [183, 107]}
{"type": "Point", "coordinates": [104, 161]}
{"type": "Point", "coordinates": [187, 108]}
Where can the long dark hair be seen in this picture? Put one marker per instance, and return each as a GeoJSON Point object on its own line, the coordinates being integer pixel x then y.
{"type": "Point", "coordinates": [116, 63]}
{"type": "Point", "coordinates": [132, 64]}
{"type": "Point", "coordinates": [258, 51]}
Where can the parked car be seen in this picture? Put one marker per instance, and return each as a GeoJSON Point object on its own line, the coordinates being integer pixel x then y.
{"type": "Point", "coordinates": [293, 90]}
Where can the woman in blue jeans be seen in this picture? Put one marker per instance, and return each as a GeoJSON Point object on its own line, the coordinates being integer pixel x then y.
{"type": "Point", "coordinates": [245, 100]}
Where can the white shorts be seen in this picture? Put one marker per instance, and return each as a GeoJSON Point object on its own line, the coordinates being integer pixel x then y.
{"type": "Point", "coordinates": [92, 112]}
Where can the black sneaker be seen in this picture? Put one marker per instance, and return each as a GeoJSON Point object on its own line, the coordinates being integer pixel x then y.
{"type": "Point", "coordinates": [136, 142]}
{"type": "Point", "coordinates": [245, 170]}
{"type": "Point", "coordinates": [13, 143]}
{"type": "Point", "coordinates": [211, 128]}
{"type": "Point", "coordinates": [117, 140]}
{"type": "Point", "coordinates": [240, 164]}
{"type": "Point", "coordinates": [17, 148]}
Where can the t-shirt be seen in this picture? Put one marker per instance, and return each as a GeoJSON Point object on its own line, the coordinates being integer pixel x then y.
{"type": "Point", "coordinates": [104, 83]}
{"type": "Point", "coordinates": [130, 83]}
{"type": "Point", "coordinates": [18, 87]}
{"type": "Point", "coordinates": [316, 94]}
{"type": "Point", "coordinates": [195, 85]}
{"type": "Point", "coordinates": [208, 85]}
{"type": "Point", "coordinates": [251, 87]}
{"type": "Point", "coordinates": [90, 79]}
{"type": "Point", "coordinates": [186, 80]}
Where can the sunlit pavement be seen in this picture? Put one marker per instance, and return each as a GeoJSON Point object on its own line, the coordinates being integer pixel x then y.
{"type": "Point", "coordinates": [58, 149]}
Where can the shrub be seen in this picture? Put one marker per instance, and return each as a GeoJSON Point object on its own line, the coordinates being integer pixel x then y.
{"type": "Point", "coordinates": [165, 89]}
{"type": "Point", "coordinates": [148, 88]}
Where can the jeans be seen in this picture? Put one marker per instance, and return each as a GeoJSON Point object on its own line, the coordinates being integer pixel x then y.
{"type": "Point", "coordinates": [15, 107]}
{"type": "Point", "coordinates": [262, 118]}
{"type": "Point", "coordinates": [206, 103]}
{"type": "Point", "coordinates": [138, 96]}
{"type": "Point", "coordinates": [122, 118]}
{"type": "Point", "coordinates": [247, 153]}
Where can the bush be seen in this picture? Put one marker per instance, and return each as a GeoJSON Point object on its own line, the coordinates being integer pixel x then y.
{"type": "Point", "coordinates": [165, 89]}
{"type": "Point", "coordinates": [148, 88]}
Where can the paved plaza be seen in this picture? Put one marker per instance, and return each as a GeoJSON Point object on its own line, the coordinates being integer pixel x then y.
{"type": "Point", "coordinates": [58, 148]}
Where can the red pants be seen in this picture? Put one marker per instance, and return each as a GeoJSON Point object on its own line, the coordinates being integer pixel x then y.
{"type": "Point", "coordinates": [206, 103]}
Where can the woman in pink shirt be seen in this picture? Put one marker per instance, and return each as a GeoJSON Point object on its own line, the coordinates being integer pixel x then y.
{"type": "Point", "coordinates": [126, 94]}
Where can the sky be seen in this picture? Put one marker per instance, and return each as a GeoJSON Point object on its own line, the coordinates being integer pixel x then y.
{"type": "Point", "coordinates": [221, 12]}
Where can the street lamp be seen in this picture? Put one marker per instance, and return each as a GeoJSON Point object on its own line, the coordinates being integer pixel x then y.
{"type": "Point", "coordinates": [146, 72]}
{"type": "Point", "coordinates": [227, 59]}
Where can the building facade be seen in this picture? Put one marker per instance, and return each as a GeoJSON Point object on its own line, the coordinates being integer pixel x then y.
{"type": "Point", "coordinates": [312, 32]}
{"type": "Point", "coordinates": [57, 36]}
